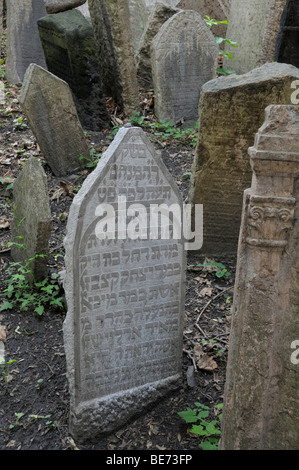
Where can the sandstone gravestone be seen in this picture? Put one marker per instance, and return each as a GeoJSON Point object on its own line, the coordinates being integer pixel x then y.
{"type": "Point", "coordinates": [32, 218]}
{"type": "Point", "coordinates": [160, 14]}
{"type": "Point", "coordinates": [230, 112]}
{"type": "Point", "coordinates": [254, 26]}
{"type": "Point", "coordinates": [125, 295]}
{"type": "Point", "coordinates": [216, 9]}
{"type": "Point", "coordinates": [184, 56]}
{"type": "Point", "coordinates": [261, 402]}
{"type": "Point", "coordinates": [70, 51]}
{"type": "Point", "coordinates": [23, 43]}
{"type": "Point", "coordinates": [49, 107]}
{"type": "Point", "coordinates": [113, 35]}
{"type": "Point", "coordinates": [55, 6]}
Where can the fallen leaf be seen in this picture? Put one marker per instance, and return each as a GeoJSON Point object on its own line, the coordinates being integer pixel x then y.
{"type": "Point", "coordinates": [4, 222]}
{"type": "Point", "coordinates": [2, 334]}
{"type": "Point", "coordinates": [206, 291]}
{"type": "Point", "coordinates": [202, 359]}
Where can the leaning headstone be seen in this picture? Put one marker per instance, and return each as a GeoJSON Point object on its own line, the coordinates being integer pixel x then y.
{"type": "Point", "coordinates": [32, 219]}
{"type": "Point", "coordinates": [49, 107]}
{"type": "Point", "coordinates": [23, 42]}
{"type": "Point", "coordinates": [254, 26]}
{"type": "Point", "coordinates": [124, 288]}
{"type": "Point", "coordinates": [261, 401]}
{"type": "Point", "coordinates": [230, 112]}
{"type": "Point", "coordinates": [55, 6]}
{"type": "Point", "coordinates": [113, 35]}
{"type": "Point", "coordinates": [71, 54]}
{"type": "Point", "coordinates": [184, 56]}
{"type": "Point", "coordinates": [160, 14]}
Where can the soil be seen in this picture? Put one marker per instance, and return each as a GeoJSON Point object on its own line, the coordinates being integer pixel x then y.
{"type": "Point", "coordinates": [34, 405]}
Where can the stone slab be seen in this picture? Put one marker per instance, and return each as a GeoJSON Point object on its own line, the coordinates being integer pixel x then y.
{"type": "Point", "coordinates": [32, 218]}
{"type": "Point", "coordinates": [56, 6]}
{"type": "Point", "coordinates": [49, 107]}
{"type": "Point", "coordinates": [23, 42]}
{"type": "Point", "coordinates": [71, 54]}
{"type": "Point", "coordinates": [184, 56]}
{"type": "Point", "coordinates": [221, 170]}
{"type": "Point", "coordinates": [125, 296]}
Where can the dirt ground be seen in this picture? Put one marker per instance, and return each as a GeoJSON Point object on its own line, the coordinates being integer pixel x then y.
{"type": "Point", "coordinates": [34, 406]}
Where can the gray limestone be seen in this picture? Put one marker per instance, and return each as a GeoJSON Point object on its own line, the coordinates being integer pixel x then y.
{"type": "Point", "coordinates": [56, 6]}
{"type": "Point", "coordinates": [23, 42]}
{"type": "Point", "coordinates": [32, 218]}
{"type": "Point", "coordinates": [49, 107]}
{"type": "Point", "coordinates": [184, 56]}
{"type": "Point", "coordinates": [125, 295]}
{"type": "Point", "coordinates": [230, 112]}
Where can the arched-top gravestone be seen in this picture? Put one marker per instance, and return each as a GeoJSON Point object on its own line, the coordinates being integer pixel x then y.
{"type": "Point", "coordinates": [184, 56]}
{"type": "Point", "coordinates": [125, 294]}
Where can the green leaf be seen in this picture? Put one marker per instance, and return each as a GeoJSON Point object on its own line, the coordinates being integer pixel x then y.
{"type": "Point", "coordinates": [198, 429]}
{"type": "Point", "coordinates": [210, 444]}
{"type": "Point", "coordinates": [189, 416]}
{"type": "Point", "coordinates": [6, 306]}
{"type": "Point", "coordinates": [39, 309]}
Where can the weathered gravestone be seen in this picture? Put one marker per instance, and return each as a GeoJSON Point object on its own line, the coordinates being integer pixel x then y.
{"type": "Point", "coordinates": [56, 6]}
{"type": "Point", "coordinates": [113, 35]}
{"type": "Point", "coordinates": [230, 112]}
{"type": "Point", "coordinates": [125, 295]}
{"type": "Point", "coordinates": [216, 9]}
{"type": "Point", "coordinates": [254, 26]}
{"type": "Point", "coordinates": [32, 219]}
{"type": "Point", "coordinates": [49, 107]}
{"type": "Point", "coordinates": [184, 56]}
{"type": "Point", "coordinates": [286, 50]}
{"type": "Point", "coordinates": [23, 42]}
{"type": "Point", "coordinates": [261, 402]}
{"type": "Point", "coordinates": [70, 51]}
{"type": "Point", "coordinates": [1, 18]}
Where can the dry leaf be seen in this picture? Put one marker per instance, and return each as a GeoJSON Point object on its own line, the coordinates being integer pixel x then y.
{"type": "Point", "coordinates": [2, 334]}
{"type": "Point", "coordinates": [206, 291]}
{"type": "Point", "coordinates": [204, 361]}
{"type": "Point", "coordinates": [4, 222]}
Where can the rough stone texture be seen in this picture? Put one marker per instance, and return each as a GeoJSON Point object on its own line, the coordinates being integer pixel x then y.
{"type": "Point", "coordinates": [159, 15]}
{"type": "Point", "coordinates": [261, 403]}
{"type": "Point", "coordinates": [218, 10]}
{"type": "Point", "coordinates": [184, 56]}
{"type": "Point", "coordinates": [71, 54]}
{"type": "Point", "coordinates": [288, 36]}
{"type": "Point", "coordinates": [254, 25]}
{"type": "Point", "coordinates": [56, 6]}
{"type": "Point", "coordinates": [32, 218]}
{"type": "Point", "coordinates": [84, 9]}
{"type": "Point", "coordinates": [23, 42]}
{"type": "Point", "coordinates": [110, 20]}
{"type": "Point", "coordinates": [125, 298]}
{"type": "Point", "coordinates": [230, 112]}
{"type": "Point", "coordinates": [1, 17]}
{"type": "Point", "coordinates": [49, 107]}
{"type": "Point", "coordinates": [138, 20]}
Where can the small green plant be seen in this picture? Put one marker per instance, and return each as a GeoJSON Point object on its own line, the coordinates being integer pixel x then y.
{"type": "Point", "coordinates": [219, 40]}
{"type": "Point", "coordinates": [92, 160]}
{"type": "Point", "coordinates": [220, 271]}
{"type": "Point", "coordinates": [5, 367]}
{"type": "Point", "coordinates": [209, 431]}
{"type": "Point", "coordinates": [19, 123]}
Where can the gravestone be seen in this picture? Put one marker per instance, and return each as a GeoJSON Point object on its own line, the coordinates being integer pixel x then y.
{"type": "Point", "coordinates": [230, 112]}
{"type": "Point", "coordinates": [261, 400]}
{"type": "Point", "coordinates": [32, 218]}
{"type": "Point", "coordinates": [56, 6]}
{"type": "Point", "coordinates": [23, 42]}
{"type": "Point", "coordinates": [70, 51]}
{"type": "Point", "coordinates": [286, 50]}
{"type": "Point", "coordinates": [1, 18]}
{"type": "Point", "coordinates": [184, 56]}
{"type": "Point", "coordinates": [216, 9]}
{"type": "Point", "coordinates": [125, 295]}
{"type": "Point", "coordinates": [160, 14]}
{"type": "Point", "coordinates": [113, 35]}
{"type": "Point", "coordinates": [49, 107]}
{"type": "Point", "coordinates": [254, 26]}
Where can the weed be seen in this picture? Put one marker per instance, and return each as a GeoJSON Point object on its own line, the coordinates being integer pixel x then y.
{"type": "Point", "coordinates": [19, 123]}
{"type": "Point", "coordinates": [92, 160]}
{"type": "Point", "coordinates": [221, 270]}
{"type": "Point", "coordinates": [5, 367]}
{"type": "Point", "coordinates": [209, 431]}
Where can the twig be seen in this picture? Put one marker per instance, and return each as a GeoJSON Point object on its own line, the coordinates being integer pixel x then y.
{"type": "Point", "coordinates": [190, 357]}
{"type": "Point", "coordinates": [210, 301]}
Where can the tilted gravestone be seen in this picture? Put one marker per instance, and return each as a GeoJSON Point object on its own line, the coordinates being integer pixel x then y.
{"type": "Point", "coordinates": [261, 400]}
{"type": "Point", "coordinates": [71, 54]}
{"type": "Point", "coordinates": [23, 42]}
{"type": "Point", "coordinates": [111, 24]}
{"type": "Point", "coordinates": [49, 107]}
{"type": "Point", "coordinates": [124, 288]}
{"type": "Point", "coordinates": [32, 219]}
{"type": "Point", "coordinates": [230, 112]}
{"type": "Point", "coordinates": [184, 56]}
{"type": "Point", "coordinates": [56, 6]}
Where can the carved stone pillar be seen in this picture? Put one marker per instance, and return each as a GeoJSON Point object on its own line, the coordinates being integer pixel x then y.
{"type": "Point", "coordinates": [261, 402]}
